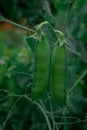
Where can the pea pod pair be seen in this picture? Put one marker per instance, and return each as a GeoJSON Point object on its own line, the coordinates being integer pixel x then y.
{"type": "Point", "coordinates": [42, 72]}
{"type": "Point", "coordinates": [48, 62]}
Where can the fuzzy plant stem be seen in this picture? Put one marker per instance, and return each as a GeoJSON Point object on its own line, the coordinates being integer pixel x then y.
{"type": "Point", "coordinates": [3, 19]}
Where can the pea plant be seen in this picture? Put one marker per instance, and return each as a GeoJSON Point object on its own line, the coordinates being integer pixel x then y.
{"type": "Point", "coordinates": [55, 100]}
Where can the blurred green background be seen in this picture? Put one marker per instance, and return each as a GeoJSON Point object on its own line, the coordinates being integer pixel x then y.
{"type": "Point", "coordinates": [69, 16]}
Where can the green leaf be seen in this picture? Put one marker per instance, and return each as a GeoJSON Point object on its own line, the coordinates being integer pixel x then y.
{"type": "Point", "coordinates": [31, 40]}
{"type": "Point", "coordinates": [48, 17]}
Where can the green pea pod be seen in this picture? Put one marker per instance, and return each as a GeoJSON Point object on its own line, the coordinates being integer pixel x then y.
{"type": "Point", "coordinates": [58, 75]}
{"type": "Point", "coordinates": [42, 69]}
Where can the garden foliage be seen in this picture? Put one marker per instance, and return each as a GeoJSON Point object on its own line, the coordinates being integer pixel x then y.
{"type": "Point", "coordinates": [43, 73]}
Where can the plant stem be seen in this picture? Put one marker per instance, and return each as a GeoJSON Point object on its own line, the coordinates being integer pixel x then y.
{"type": "Point", "coordinates": [77, 81]}
{"type": "Point", "coordinates": [10, 112]}
{"type": "Point", "coordinates": [43, 111]}
{"type": "Point", "coordinates": [16, 24]}
{"type": "Point", "coordinates": [45, 115]}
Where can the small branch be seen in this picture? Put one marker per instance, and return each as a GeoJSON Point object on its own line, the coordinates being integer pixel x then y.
{"type": "Point", "coordinates": [77, 81]}
{"type": "Point", "coordinates": [16, 24]}
{"type": "Point", "coordinates": [10, 112]}
{"type": "Point", "coordinates": [43, 111]}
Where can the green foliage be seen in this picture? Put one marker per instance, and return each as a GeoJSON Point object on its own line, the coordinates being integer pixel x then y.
{"type": "Point", "coordinates": [43, 84]}
{"type": "Point", "coordinates": [24, 9]}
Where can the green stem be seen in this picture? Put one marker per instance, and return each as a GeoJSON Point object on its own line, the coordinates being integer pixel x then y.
{"type": "Point", "coordinates": [10, 112]}
{"type": "Point", "coordinates": [45, 115]}
{"type": "Point", "coordinates": [76, 83]}
{"type": "Point", "coordinates": [43, 111]}
{"type": "Point", "coordinates": [16, 24]}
